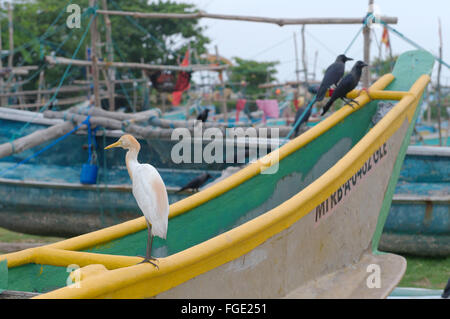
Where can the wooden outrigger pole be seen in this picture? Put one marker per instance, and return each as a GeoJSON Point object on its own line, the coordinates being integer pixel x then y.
{"type": "Point", "coordinates": [278, 21]}
{"type": "Point", "coordinates": [134, 65]}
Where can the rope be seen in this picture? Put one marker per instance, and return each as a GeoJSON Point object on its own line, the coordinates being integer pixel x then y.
{"type": "Point", "coordinates": [3, 172]}
{"type": "Point", "coordinates": [413, 43]}
{"type": "Point", "coordinates": [353, 41]}
{"type": "Point", "coordinates": [46, 34]}
{"type": "Point", "coordinates": [66, 72]}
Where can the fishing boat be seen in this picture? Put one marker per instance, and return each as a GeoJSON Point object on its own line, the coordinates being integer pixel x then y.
{"type": "Point", "coordinates": [45, 195]}
{"type": "Point", "coordinates": [419, 219]}
{"type": "Point", "coordinates": [303, 221]}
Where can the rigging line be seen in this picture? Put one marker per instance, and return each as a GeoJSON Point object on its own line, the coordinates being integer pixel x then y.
{"type": "Point", "coordinates": [44, 65]}
{"type": "Point", "coordinates": [354, 39]}
{"type": "Point", "coordinates": [160, 44]}
{"type": "Point", "coordinates": [334, 54]}
{"type": "Point", "coordinates": [271, 47]}
{"type": "Point", "coordinates": [43, 36]}
{"type": "Point", "coordinates": [66, 72]}
{"type": "Point", "coordinates": [399, 34]}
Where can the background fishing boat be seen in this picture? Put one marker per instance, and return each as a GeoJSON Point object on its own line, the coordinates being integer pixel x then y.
{"type": "Point", "coordinates": [44, 196]}
{"type": "Point", "coordinates": [419, 218]}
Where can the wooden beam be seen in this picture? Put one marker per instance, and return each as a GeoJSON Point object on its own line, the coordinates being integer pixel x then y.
{"type": "Point", "coordinates": [34, 92]}
{"type": "Point", "coordinates": [93, 31]}
{"type": "Point", "coordinates": [34, 139]}
{"type": "Point", "coordinates": [115, 81]}
{"type": "Point", "coordinates": [68, 101]}
{"type": "Point", "coordinates": [278, 21]}
{"type": "Point", "coordinates": [133, 65]}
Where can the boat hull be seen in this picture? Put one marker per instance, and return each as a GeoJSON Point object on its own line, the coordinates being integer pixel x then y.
{"type": "Point", "coordinates": [419, 218]}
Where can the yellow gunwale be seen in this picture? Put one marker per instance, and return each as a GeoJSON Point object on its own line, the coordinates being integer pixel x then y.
{"type": "Point", "coordinates": [184, 265]}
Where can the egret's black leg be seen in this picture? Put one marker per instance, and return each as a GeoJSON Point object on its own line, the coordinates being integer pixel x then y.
{"type": "Point", "coordinates": [148, 258]}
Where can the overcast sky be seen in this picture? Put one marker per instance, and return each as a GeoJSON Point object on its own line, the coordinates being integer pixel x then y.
{"type": "Point", "coordinates": [417, 19]}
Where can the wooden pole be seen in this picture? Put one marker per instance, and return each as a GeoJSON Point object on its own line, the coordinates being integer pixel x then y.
{"type": "Point", "coordinates": [224, 102]}
{"type": "Point", "coordinates": [34, 139]}
{"type": "Point", "coordinates": [366, 35]}
{"type": "Point", "coordinates": [438, 89]}
{"type": "Point", "coordinates": [92, 3]}
{"type": "Point", "coordinates": [145, 90]}
{"type": "Point", "coordinates": [134, 65]}
{"type": "Point", "coordinates": [3, 100]}
{"type": "Point", "coordinates": [11, 35]}
{"type": "Point", "coordinates": [304, 60]}
{"type": "Point", "coordinates": [110, 56]}
{"type": "Point", "coordinates": [280, 22]}
{"type": "Point", "coordinates": [186, 106]}
{"type": "Point", "coordinates": [316, 55]}
{"type": "Point", "coordinates": [428, 104]}
{"type": "Point", "coordinates": [40, 87]}
{"type": "Point", "coordinates": [297, 70]}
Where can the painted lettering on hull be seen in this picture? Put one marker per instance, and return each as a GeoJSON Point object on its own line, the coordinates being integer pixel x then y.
{"type": "Point", "coordinates": [329, 205]}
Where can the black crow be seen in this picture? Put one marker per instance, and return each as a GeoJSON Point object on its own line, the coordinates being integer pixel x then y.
{"type": "Point", "coordinates": [203, 116]}
{"type": "Point", "coordinates": [332, 76]}
{"type": "Point", "coordinates": [348, 83]}
{"type": "Point", "coordinates": [196, 183]}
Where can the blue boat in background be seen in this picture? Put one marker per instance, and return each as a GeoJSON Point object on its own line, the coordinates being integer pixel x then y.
{"type": "Point", "coordinates": [419, 218]}
{"type": "Point", "coordinates": [44, 196]}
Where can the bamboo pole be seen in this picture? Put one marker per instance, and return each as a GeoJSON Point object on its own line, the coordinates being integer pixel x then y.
{"type": "Point", "coordinates": [297, 70]}
{"type": "Point", "coordinates": [11, 35]}
{"type": "Point", "coordinates": [83, 82]}
{"type": "Point", "coordinates": [40, 87]}
{"type": "Point", "coordinates": [278, 21]}
{"type": "Point", "coordinates": [96, 111]}
{"type": "Point", "coordinates": [133, 65]}
{"type": "Point", "coordinates": [67, 101]}
{"type": "Point", "coordinates": [34, 139]}
{"type": "Point", "coordinates": [304, 60]}
{"type": "Point", "coordinates": [2, 100]}
{"type": "Point", "coordinates": [110, 56]}
{"type": "Point", "coordinates": [366, 35]}
{"type": "Point", "coordinates": [224, 102]}
{"type": "Point", "coordinates": [93, 31]}
{"type": "Point", "coordinates": [49, 91]}
{"type": "Point", "coordinates": [94, 121]}
{"type": "Point", "coordinates": [438, 89]}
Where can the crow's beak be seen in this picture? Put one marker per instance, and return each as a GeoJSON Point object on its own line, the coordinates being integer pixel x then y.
{"type": "Point", "coordinates": [348, 59]}
{"type": "Point", "coordinates": [365, 64]}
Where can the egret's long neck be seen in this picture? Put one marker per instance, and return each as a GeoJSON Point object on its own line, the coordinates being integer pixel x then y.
{"type": "Point", "coordinates": [131, 159]}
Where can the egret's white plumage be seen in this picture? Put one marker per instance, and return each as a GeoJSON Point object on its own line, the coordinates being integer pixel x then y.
{"type": "Point", "coordinates": [151, 196]}
{"type": "Point", "coordinates": [148, 189]}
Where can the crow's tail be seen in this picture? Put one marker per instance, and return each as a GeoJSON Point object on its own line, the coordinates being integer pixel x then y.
{"type": "Point", "coordinates": [327, 106]}
{"type": "Point", "coordinates": [321, 93]}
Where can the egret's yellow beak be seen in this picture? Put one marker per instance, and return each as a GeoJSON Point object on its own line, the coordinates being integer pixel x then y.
{"type": "Point", "coordinates": [116, 144]}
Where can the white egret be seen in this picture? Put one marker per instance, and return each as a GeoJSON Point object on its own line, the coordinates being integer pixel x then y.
{"type": "Point", "coordinates": [148, 190]}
